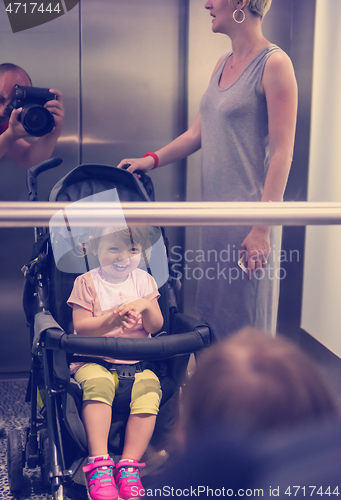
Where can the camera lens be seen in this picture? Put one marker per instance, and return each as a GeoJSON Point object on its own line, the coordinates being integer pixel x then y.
{"type": "Point", "coordinates": [37, 120]}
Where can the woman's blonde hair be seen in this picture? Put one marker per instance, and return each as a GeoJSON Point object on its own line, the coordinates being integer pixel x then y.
{"type": "Point", "coordinates": [259, 7]}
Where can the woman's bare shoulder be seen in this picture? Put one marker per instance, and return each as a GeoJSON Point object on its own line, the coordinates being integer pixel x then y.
{"type": "Point", "coordinates": [278, 61]}
{"type": "Point", "coordinates": [278, 70]}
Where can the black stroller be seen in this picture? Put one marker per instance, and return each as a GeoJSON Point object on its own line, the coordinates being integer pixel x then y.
{"type": "Point", "coordinates": [55, 439]}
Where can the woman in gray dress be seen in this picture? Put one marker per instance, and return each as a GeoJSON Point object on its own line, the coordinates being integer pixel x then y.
{"type": "Point", "coordinates": [245, 129]}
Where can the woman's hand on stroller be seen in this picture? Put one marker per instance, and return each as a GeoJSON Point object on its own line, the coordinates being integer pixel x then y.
{"type": "Point", "coordinates": [145, 164]}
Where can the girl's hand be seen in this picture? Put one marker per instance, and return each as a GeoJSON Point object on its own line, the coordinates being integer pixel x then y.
{"type": "Point", "coordinates": [130, 319]}
{"type": "Point", "coordinates": [134, 309]}
{"type": "Point", "coordinates": [257, 245]}
{"type": "Point", "coordinates": [127, 320]}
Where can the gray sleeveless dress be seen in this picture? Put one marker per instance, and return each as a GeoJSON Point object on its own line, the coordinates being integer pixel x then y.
{"type": "Point", "coordinates": [234, 166]}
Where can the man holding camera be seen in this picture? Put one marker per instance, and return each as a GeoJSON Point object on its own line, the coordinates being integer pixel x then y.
{"type": "Point", "coordinates": [13, 136]}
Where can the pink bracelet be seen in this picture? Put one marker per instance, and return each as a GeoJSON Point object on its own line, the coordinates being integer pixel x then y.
{"type": "Point", "coordinates": [156, 159]}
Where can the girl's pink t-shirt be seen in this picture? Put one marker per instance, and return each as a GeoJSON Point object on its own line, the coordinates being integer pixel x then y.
{"type": "Point", "coordinates": [96, 295]}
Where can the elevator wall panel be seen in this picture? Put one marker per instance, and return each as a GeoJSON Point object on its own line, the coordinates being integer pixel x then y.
{"type": "Point", "coordinates": [132, 86]}
{"type": "Point", "coordinates": [130, 82]}
{"type": "Point", "coordinates": [50, 54]}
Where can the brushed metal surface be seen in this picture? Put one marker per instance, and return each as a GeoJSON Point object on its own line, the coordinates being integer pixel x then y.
{"type": "Point", "coordinates": [50, 54]}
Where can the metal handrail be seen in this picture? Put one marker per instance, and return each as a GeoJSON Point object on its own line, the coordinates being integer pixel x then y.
{"type": "Point", "coordinates": [28, 214]}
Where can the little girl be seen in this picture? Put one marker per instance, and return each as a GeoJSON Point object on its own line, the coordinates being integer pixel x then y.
{"type": "Point", "coordinates": [117, 299]}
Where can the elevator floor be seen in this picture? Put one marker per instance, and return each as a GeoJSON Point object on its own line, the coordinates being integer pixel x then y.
{"type": "Point", "coordinates": [15, 413]}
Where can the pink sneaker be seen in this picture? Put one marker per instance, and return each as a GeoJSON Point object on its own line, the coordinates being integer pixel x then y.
{"type": "Point", "coordinates": [127, 477]}
{"type": "Point", "coordinates": [100, 479]}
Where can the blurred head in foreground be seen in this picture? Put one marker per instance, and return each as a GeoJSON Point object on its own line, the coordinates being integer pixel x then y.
{"type": "Point", "coordinates": [255, 383]}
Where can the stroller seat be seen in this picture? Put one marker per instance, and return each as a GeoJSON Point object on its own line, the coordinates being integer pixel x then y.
{"type": "Point", "coordinates": [56, 438]}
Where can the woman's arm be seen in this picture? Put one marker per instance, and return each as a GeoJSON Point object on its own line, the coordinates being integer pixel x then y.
{"type": "Point", "coordinates": [280, 89]}
{"type": "Point", "coordinates": [184, 145]}
{"type": "Point", "coordinates": [86, 324]}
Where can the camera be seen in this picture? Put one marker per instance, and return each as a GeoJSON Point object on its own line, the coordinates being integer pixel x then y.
{"type": "Point", "coordinates": [35, 119]}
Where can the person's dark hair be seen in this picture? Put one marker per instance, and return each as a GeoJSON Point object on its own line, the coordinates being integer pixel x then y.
{"type": "Point", "coordinates": [256, 383]}
{"type": "Point", "coordinates": [5, 67]}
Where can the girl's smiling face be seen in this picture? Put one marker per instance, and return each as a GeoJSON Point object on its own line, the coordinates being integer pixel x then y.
{"type": "Point", "coordinates": [117, 257]}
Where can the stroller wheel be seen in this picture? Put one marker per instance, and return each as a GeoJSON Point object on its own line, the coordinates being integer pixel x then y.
{"type": "Point", "coordinates": [15, 460]}
{"type": "Point", "coordinates": [45, 458]}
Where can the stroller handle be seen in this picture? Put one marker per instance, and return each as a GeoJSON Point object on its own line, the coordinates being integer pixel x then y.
{"type": "Point", "coordinates": [33, 173]}
{"type": "Point", "coordinates": [147, 349]}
